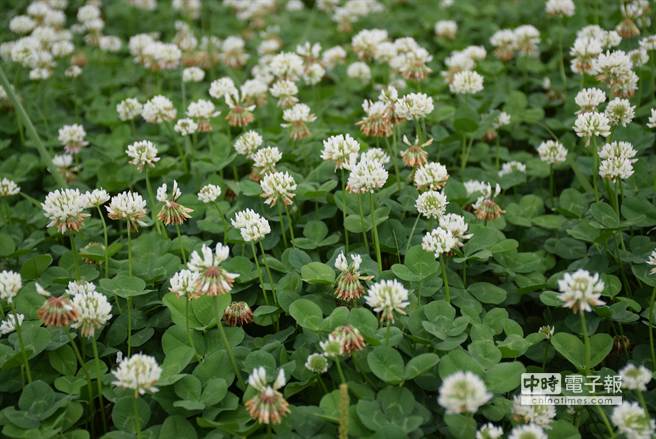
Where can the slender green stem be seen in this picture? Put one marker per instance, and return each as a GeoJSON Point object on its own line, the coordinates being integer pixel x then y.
{"type": "Point", "coordinates": [412, 233]}
{"type": "Point", "coordinates": [595, 170]}
{"type": "Point", "coordinates": [394, 155]}
{"type": "Point", "coordinates": [388, 329]}
{"type": "Point", "coordinates": [226, 226]}
{"type": "Point", "coordinates": [190, 337]}
{"type": "Point", "coordinates": [651, 328]}
{"type": "Point", "coordinates": [289, 221]}
{"type": "Point", "coordinates": [99, 384]}
{"type": "Point", "coordinates": [445, 278]}
{"type": "Point", "coordinates": [137, 418]}
{"type": "Point", "coordinates": [561, 60]}
{"type": "Point", "coordinates": [339, 370]}
{"type": "Point", "coordinates": [266, 267]}
{"type": "Point", "coordinates": [586, 342]}
{"type": "Point", "coordinates": [362, 223]}
{"type": "Point", "coordinates": [226, 344]}
{"type": "Point", "coordinates": [21, 344]}
{"type": "Point", "coordinates": [106, 241]}
{"type": "Point", "coordinates": [151, 198]}
{"type": "Point", "coordinates": [83, 366]}
{"type": "Point", "coordinates": [259, 273]}
{"type": "Point", "coordinates": [43, 153]}
{"type": "Point", "coordinates": [375, 229]}
{"type": "Point", "coordinates": [183, 253]}
{"type": "Point", "coordinates": [604, 418]}
{"type": "Point", "coordinates": [346, 237]}
{"type": "Point", "coordinates": [551, 183]}
{"type": "Point", "coordinates": [76, 254]}
{"type": "Point", "coordinates": [129, 298]}
{"type": "Point", "coordinates": [282, 226]}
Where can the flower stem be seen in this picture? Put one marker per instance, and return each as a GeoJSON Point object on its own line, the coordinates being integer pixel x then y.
{"type": "Point", "coordinates": [289, 221]}
{"type": "Point", "coordinates": [447, 289]}
{"type": "Point", "coordinates": [96, 357]}
{"type": "Point", "coordinates": [651, 328]}
{"type": "Point", "coordinates": [151, 198]}
{"type": "Point", "coordinates": [76, 254]}
{"type": "Point", "coordinates": [362, 223]}
{"type": "Point", "coordinates": [282, 226]}
{"type": "Point", "coordinates": [346, 237]}
{"type": "Point", "coordinates": [259, 272]}
{"type": "Point", "coordinates": [137, 418]}
{"type": "Point", "coordinates": [183, 253]}
{"type": "Point", "coordinates": [129, 298]}
{"type": "Point", "coordinates": [106, 242]}
{"type": "Point", "coordinates": [412, 233]}
{"type": "Point", "coordinates": [226, 344]}
{"type": "Point", "coordinates": [86, 374]}
{"type": "Point", "coordinates": [189, 333]}
{"type": "Point", "coordinates": [266, 266]}
{"type": "Point", "coordinates": [375, 228]}
{"type": "Point", "coordinates": [21, 344]}
{"type": "Point", "coordinates": [339, 370]}
{"type": "Point", "coordinates": [586, 342]}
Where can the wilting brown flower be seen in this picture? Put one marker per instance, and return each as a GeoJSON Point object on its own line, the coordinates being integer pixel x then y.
{"type": "Point", "coordinates": [238, 314]}
{"type": "Point", "coordinates": [350, 337]}
{"type": "Point", "coordinates": [415, 154]}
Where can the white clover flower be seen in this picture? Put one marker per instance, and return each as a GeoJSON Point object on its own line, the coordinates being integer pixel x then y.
{"type": "Point", "coordinates": [269, 405]}
{"type": "Point", "coordinates": [21, 24]}
{"type": "Point", "coordinates": [560, 8]}
{"type": "Point", "coordinates": [94, 311]}
{"type": "Point", "coordinates": [128, 206]}
{"type": "Point", "coordinates": [620, 112]}
{"type": "Point", "coordinates": [457, 225]}
{"type": "Point", "coordinates": [278, 186]}
{"type": "Point", "coordinates": [463, 392]}
{"type": "Point", "coordinates": [296, 117]}
{"type": "Point", "coordinates": [184, 283]}
{"type": "Point", "coordinates": [387, 297]}
{"type": "Point", "coordinates": [129, 109]}
{"type": "Point", "coordinates": [616, 169]}
{"type": "Point", "coordinates": [651, 123]}
{"type": "Point", "coordinates": [221, 87]}
{"type": "Point", "coordinates": [581, 290]}
{"type": "Point", "coordinates": [540, 415]}
{"type": "Point", "coordinates": [73, 71]}
{"type": "Point", "coordinates": [510, 167]}
{"type": "Point", "coordinates": [552, 152]}
{"type": "Point", "coordinates": [376, 154]}
{"type": "Point", "coordinates": [635, 377]}
{"type": "Point", "coordinates": [589, 99]}
{"type": "Point", "coordinates": [265, 159]}
{"type": "Point", "coordinates": [342, 264]}
{"type": "Point", "coordinates": [333, 347]}
{"type": "Point", "coordinates": [478, 187]}
{"type": "Point", "coordinates": [365, 42]}
{"type": "Point", "coordinates": [489, 431]}
{"type": "Point", "coordinates": [9, 324]}
{"type": "Point", "coordinates": [623, 150]}
{"type": "Point", "coordinates": [316, 363]}
{"type": "Point", "coordinates": [193, 74]}
{"type": "Point", "coordinates": [248, 143]}
{"type": "Point", "coordinates": [651, 261]}
{"type": "Point", "coordinates": [367, 176]}
{"type": "Point", "coordinates": [414, 106]}
{"type": "Point", "coordinates": [96, 197]}
{"type": "Point", "coordinates": [527, 39]}
{"type": "Point", "coordinates": [78, 287]}
{"type": "Point", "coordinates": [251, 225]}
{"type": "Point", "coordinates": [286, 65]}
{"type": "Point", "coordinates": [185, 126]}
{"type": "Point", "coordinates": [341, 149]}
{"type": "Point", "coordinates": [502, 120]}
{"type": "Point", "coordinates": [431, 176]}
{"type": "Point", "coordinates": [439, 241]}
{"type": "Point", "coordinates": [285, 91]}
{"type": "Point", "coordinates": [109, 43]}
{"type": "Point", "coordinates": [10, 284]}
{"type": "Point", "coordinates": [142, 153]}
{"type": "Point", "coordinates": [333, 56]}
{"type": "Point", "coordinates": [158, 109]}
{"type": "Point", "coordinates": [209, 193]}
{"type": "Point", "coordinates": [201, 109]}
{"type": "Point", "coordinates": [8, 187]}
{"type": "Point", "coordinates": [446, 29]}
{"type": "Point", "coordinates": [529, 431]}
{"type": "Point", "coordinates": [431, 204]}
{"type": "Point", "coordinates": [360, 71]}
{"type": "Point", "coordinates": [139, 373]}
{"type": "Point", "coordinates": [72, 137]}
{"type": "Point", "coordinates": [65, 208]}
{"type": "Point", "coordinates": [62, 161]}
{"type": "Point", "coordinates": [466, 82]}
{"type": "Point", "coordinates": [214, 280]}
{"type": "Point", "coordinates": [633, 421]}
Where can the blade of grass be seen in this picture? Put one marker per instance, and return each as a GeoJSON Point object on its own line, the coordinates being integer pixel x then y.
{"type": "Point", "coordinates": [45, 157]}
